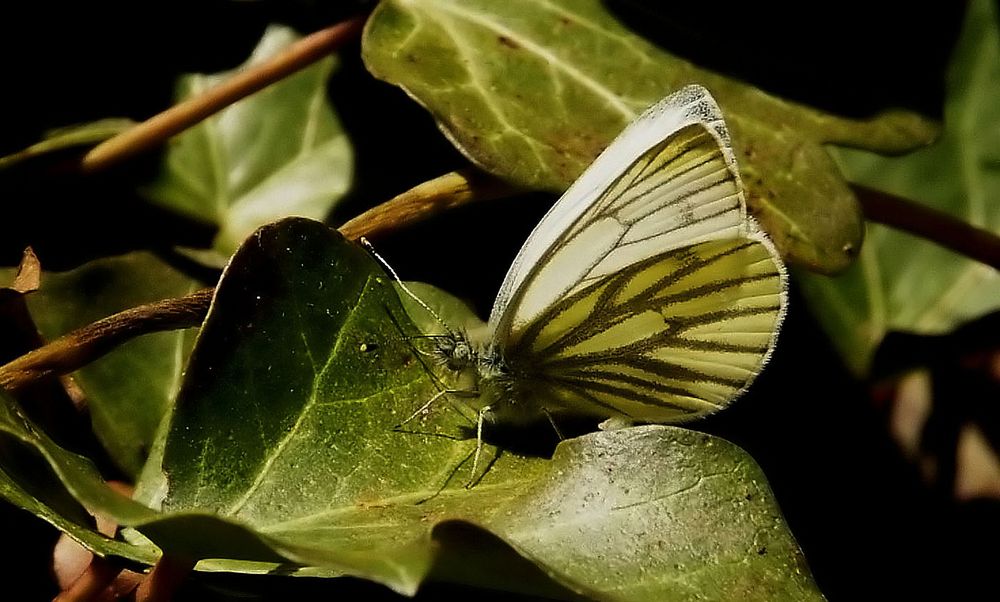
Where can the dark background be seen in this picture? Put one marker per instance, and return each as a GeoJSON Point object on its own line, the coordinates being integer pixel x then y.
{"type": "Point", "coordinates": [868, 525]}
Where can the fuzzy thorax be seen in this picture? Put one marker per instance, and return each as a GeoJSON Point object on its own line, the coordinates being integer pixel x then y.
{"type": "Point", "coordinates": [486, 374]}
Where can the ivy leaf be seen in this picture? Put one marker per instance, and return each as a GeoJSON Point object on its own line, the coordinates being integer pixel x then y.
{"type": "Point", "coordinates": [279, 152]}
{"type": "Point", "coordinates": [287, 412]}
{"type": "Point", "coordinates": [41, 477]}
{"type": "Point", "coordinates": [533, 91]}
{"type": "Point", "coordinates": [130, 389]}
{"type": "Point", "coordinates": [42, 495]}
{"type": "Point", "coordinates": [282, 454]}
{"type": "Point", "coordinates": [283, 447]}
{"type": "Point", "coordinates": [73, 136]}
{"type": "Point", "coordinates": [904, 283]}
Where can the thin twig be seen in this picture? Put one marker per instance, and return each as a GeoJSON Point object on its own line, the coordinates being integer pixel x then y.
{"type": "Point", "coordinates": [155, 131]}
{"type": "Point", "coordinates": [936, 226]}
{"type": "Point", "coordinates": [82, 346]}
{"type": "Point", "coordinates": [427, 200]}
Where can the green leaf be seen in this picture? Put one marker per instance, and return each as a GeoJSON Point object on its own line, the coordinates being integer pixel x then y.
{"type": "Point", "coordinates": [279, 152]}
{"type": "Point", "coordinates": [51, 482]}
{"type": "Point", "coordinates": [625, 513]}
{"type": "Point", "coordinates": [904, 283]}
{"type": "Point", "coordinates": [283, 447]}
{"type": "Point", "coordinates": [43, 495]}
{"type": "Point", "coordinates": [288, 405]}
{"type": "Point", "coordinates": [130, 389]}
{"type": "Point", "coordinates": [84, 134]}
{"type": "Point", "coordinates": [533, 91]}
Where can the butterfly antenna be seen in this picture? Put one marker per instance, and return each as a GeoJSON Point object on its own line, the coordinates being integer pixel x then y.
{"type": "Point", "coordinates": [385, 264]}
{"type": "Point", "coordinates": [443, 390]}
{"type": "Point", "coordinates": [416, 352]}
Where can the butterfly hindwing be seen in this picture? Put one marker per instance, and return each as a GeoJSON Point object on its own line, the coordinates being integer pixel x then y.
{"type": "Point", "coordinates": [668, 338]}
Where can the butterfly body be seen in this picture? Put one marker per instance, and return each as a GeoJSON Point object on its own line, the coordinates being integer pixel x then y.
{"type": "Point", "coordinates": [646, 292]}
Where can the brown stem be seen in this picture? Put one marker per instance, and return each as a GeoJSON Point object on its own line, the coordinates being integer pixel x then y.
{"type": "Point", "coordinates": [155, 131]}
{"type": "Point", "coordinates": [82, 346]}
{"type": "Point", "coordinates": [427, 200]}
{"type": "Point", "coordinates": [164, 579]}
{"type": "Point", "coordinates": [936, 226]}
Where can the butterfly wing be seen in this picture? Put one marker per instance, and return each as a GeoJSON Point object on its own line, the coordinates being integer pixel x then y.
{"type": "Point", "coordinates": [646, 291]}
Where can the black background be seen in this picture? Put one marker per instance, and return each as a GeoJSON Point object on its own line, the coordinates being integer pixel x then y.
{"type": "Point", "coordinates": [868, 525]}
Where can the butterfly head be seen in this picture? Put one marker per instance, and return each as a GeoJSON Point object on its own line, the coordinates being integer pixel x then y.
{"type": "Point", "coordinates": [482, 365]}
{"type": "Point", "coordinates": [455, 352]}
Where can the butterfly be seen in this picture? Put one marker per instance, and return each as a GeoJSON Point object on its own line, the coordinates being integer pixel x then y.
{"type": "Point", "coordinates": [646, 293]}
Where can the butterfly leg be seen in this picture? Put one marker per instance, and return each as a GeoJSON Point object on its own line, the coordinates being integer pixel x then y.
{"type": "Point", "coordinates": [423, 409]}
{"type": "Point", "coordinates": [479, 445]}
{"type": "Point", "coordinates": [555, 426]}
{"type": "Point", "coordinates": [442, 393]}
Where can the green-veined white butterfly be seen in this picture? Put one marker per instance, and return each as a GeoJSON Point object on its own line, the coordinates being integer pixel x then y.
{"type": "Point", "coordinates": [646, 292]}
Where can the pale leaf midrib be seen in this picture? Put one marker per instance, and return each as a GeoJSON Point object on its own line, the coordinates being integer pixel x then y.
{"type": "Point", "coordinates": [314, 112]}
{"type": "Point", "coordinates": [408, 498]}
{"type": "Point", "coordinates": [629, 42]}
{"type": "Point", "coordinates": [477, 81]}
{"type": "Point", "coordinates": [219, 165]}
{"type": "Point", "coordinates": [281, 172]}
{"type": "Point", "coordinates": [278, 450]}
{"type": "Point", "coordinates": [872, 275]}
{"type": "Point", "coordinates": [966, 112]}
{"type": "Point", "coordinates": [596, 87]}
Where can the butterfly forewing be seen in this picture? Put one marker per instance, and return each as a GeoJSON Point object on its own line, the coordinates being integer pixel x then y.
{"type": "Point", "coordinates": [680, 189]}
{"type": "Point", "coordinates": [658, 299]}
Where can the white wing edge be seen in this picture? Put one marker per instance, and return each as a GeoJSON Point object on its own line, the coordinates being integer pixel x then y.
{"type": "Point", "coordinates": [692, 104]}
{"type": "Point", "coordinates": [755, 232]}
